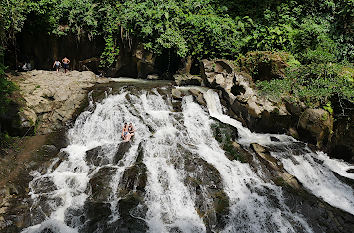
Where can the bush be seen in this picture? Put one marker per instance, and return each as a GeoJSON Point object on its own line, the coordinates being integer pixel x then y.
{"type": "Point", "coordinates": [6, 88]}
{"type": "Point", "coordinates": [313, 84]}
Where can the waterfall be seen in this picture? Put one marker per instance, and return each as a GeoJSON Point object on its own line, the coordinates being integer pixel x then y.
{"type": "Point", "coordinates": [173, 176]}
{"type": "Point", "coordinates": [314, 170]}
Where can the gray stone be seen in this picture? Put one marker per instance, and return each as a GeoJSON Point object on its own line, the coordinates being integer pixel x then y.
{"type": "Point", "coordinates": [54, 97]}
{"type": "Point", "coordinates": [123, 148]}
{"type": "Point", "coordinates": [49, 148]}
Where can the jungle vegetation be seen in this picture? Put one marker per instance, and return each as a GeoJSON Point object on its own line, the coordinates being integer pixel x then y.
{"type": "Point", "coordinates": [317, 34]}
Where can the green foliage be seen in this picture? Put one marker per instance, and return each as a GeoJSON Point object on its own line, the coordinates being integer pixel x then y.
{"type": "Point", "coordinates": [64, 16]}
{"type": "Point", "coordinates": [318, 33]}
{"type": "Point", "coordinates": [201, 28]}
{"type": "Point", "coordinates": [12, 18]}
{"type": "Point", "coordinates": [328, 107]}
{"type": "Point", "coordinates": [314, 84]}
{"type": "Point", "coordinates": [265, 63]}
{"type": "Point", "coordinates": [6, 87]}
{"type": "Point", "coordinates": [112, 33]}
{"type": "Point", "coordinates": [5, 140]}
{"type": "Point", "coordinates": [188, 27]}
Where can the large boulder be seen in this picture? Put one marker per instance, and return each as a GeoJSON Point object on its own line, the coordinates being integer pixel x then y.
{"type": "Point", "coordinates": [316, 126]}
{"type": "Point", "coordinates": [100, 184]}
{"type": "Point", "coordinates": [211, 202]}
{"type": "Point", "coordinates": [179, 93]}
{"type": "Point", "coordinates": [49, 99]}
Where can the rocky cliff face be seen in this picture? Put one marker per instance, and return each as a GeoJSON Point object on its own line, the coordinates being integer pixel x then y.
{"type": "Point", "coordinates": [238, 90]}
{"type": "Point", "coordinates": [49, 99]}
{"type": "Point", "coordinates": [260, 114]}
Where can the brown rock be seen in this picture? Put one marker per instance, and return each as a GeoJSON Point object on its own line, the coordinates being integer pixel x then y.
{"type": "Point", "coordinates": [316, 125]}
{"type": "Point", "coordinates": [275, 165]}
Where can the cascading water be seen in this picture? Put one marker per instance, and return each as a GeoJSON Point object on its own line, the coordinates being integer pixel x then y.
{"type": "Point", "coordinates": [314, 170]}
{"type": "Point", "coordinates": [173, 176]}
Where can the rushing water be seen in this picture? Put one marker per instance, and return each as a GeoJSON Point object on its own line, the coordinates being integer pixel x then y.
{"type": "Point", "coordinates": [181, 173]}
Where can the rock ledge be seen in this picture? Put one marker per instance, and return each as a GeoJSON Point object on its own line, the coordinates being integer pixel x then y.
{"type": "Point", "coordinates": [50, 98]}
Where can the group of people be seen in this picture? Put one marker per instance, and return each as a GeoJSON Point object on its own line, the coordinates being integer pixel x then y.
{"type": "Point", "coordinates": [65, 62]}
{"type": "Point", "coordinates": [127, 132]}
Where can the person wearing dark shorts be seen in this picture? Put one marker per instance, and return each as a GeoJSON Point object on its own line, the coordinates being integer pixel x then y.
{"type": "Point", "coordinates": [66, 62]}
{"type": "Point", "coordinates": [56, 65]}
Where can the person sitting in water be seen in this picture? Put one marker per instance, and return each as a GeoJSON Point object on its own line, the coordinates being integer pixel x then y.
{"type": "Point", "coordinates": [131, 129]}
{"type": "Point", "coordinates": [125, 132]}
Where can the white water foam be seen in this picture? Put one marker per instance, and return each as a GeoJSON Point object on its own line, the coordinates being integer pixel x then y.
{"type": "Point", "coordinates": [169, 201]}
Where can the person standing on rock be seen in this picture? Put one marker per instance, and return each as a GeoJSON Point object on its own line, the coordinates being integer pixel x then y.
{"type": "Point", "coordinates": [57, 65]}
{"type": "Point", "coordinates": [66, 62]}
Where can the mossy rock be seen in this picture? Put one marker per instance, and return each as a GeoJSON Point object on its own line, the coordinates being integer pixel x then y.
{"type": "Point", "coordinates": [265, 65]}
{"type": "Point", "coordinates": [221, 202]}
{"type": "Point", "coordinates": [226, 135]}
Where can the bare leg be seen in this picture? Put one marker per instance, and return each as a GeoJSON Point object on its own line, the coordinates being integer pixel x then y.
{"type": "Point", "coordinates": [127, 137]}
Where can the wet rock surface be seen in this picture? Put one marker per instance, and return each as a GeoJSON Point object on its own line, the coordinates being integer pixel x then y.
{"type": "Point", "coordinates": [227, 136]}
{"type": "Point", "coordinates": [130, 191]}
{"type": "Point", "coordinates": [320, 216]}
{"type": "Point", "coordinates": [212, 203]}
{"type": "Point", "coordinates": [100, 184]}
{"type": "Point", "coordinates": [96, 156]}
{"type": "Point", "coordinates": [276, 166]}
{"type": "Point", "coordinates": [123, 148]}
{"type": "Point", "coordinates": [37, 154]}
